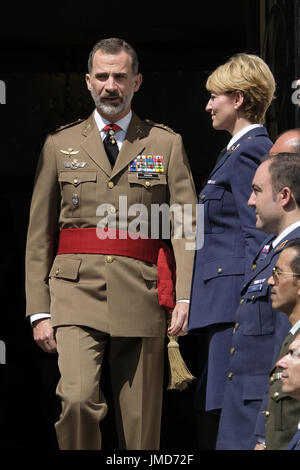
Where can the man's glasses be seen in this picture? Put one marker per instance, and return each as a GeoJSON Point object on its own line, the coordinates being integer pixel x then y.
{"type": "Point", "coordinates": [276, 273]}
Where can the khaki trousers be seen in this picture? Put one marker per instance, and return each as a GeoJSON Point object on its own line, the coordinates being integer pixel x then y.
{"type": "Point", "coordinates": [136, 369]}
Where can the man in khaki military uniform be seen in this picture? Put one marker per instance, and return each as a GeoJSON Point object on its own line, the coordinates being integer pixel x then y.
{"type": "Point", "coordinates": [283, 413]}
{"type": "Point", "coordinates": [84, 292]}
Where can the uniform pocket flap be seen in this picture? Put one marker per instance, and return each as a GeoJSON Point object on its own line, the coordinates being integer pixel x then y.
{"type": "Point", "coordinates": [65, 268]}
{"type": "Point", "coordinates": [77, 177]}
{"type": "Point", "coordinates": [211, 191]}
{"type": "Point", "coordinates": [149, 271]}
{"type": "Point", "coordinates": [223, 267]}
{"type": "Point", "coordinates": [149, 182]}
{"type": "Point", "coordinates": [255, 386]}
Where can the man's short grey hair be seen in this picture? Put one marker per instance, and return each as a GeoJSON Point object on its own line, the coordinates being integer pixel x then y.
{"type": "Point", "coordinates": [114, 46]}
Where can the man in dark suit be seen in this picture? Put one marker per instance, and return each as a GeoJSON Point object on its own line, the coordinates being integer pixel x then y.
{"type": "Point", "coordinates": [259, 330]}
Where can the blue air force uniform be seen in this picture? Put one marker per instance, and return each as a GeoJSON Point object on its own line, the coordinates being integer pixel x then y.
{"type": "Point", "coordinates": [295, 442]}
{"type": "Point", "coordinates": [256, 341]}
{"type": "Point", "coordinates": [231, 241]}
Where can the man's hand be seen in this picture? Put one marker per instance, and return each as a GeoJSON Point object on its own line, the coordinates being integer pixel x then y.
{"type": "Point", "coordinates": [43, 334]}
{"type": "Point", "coordinates": [260, 446]}
{"type": "Point", "coordinates": [179, 319]}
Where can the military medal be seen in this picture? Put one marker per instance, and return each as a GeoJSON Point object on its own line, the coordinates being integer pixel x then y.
{"type": "Point", "coordinates": [75, 200]}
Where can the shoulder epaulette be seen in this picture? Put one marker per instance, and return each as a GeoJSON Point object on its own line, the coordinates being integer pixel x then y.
{"type": "Point", "coordinates": [161, 126]}
{"type": "Point", "coordinates": [65, 126]}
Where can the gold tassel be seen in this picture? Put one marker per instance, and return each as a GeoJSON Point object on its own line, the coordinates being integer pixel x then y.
{"type": "Point", "coordinates": [179, 375]}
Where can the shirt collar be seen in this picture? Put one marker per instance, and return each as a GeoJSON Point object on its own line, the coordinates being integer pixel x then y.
{"type": "Point", "coordinates": [241, 133]}
{"type": "Point", "coordinates": [295, 327]}
{"type": "Point", "coordinates": [283, 234]}
{"type": "Point", "coordinates": [123, 123]}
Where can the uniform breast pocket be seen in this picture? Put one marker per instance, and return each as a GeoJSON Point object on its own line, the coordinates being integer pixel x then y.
{"type": "Point", "coordinates": [148, 190]}
{"type": "Point", "coordinates": [78, 190]}
{"type": "Point", "coordinates": [259, 313]}
{"type": "Point", "coordinates": [212, 197]}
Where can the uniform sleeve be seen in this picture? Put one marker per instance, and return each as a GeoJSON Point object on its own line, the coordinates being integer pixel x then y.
{"type": "Point", "coordinates": [42, 233]}
{"type": "Point", "coordinates": [182, 195]}
{"type": "Point", "coordinates": [242, 171]}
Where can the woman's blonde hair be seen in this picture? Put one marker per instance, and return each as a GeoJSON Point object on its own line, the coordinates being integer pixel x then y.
{"type": "Point", "coordinates": [250, 75]}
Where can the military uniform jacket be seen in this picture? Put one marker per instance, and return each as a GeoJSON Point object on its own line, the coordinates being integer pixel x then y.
{"type": "Point", "coordinates": [113, 294]}
{"type": "Point", "coordinates": [231, 241]}
{"type": "Point", "coordinates": [256, 341]}
{"type": "Point", "coordinates": [230, 238]}
{"type": "Point", "coordinates": [283, 412]}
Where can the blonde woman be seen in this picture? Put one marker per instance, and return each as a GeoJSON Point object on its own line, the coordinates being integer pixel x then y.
{"type": "Point", "coordinates": [241, 91]}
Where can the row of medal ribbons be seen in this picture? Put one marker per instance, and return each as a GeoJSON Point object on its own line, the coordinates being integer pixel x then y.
{"type": "Point", "coordinates": [147, 163]}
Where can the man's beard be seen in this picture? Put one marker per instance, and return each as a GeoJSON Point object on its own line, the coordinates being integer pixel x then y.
{"type": "Point", "coordinates": [111, 109]}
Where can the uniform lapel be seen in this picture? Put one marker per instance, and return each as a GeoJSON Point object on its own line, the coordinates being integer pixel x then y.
{"type": "Point", "coordinates": [93, 145]}
{"type": "Point", "coordinates": [133, 144]}
{"type": "Point", "coordinates": [249, 135]}
{"type": "Point", "coordinates": [262, 265]}
{"type": "Point", "coordinates": [220, 162]}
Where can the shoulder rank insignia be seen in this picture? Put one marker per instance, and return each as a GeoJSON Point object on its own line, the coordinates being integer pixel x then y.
{"type": "Point", "coordinates": [281, 245]}
{"type": "Point", "coordinates": [161, 126]}
{"type": "Point", "coordinates": [65, 126]}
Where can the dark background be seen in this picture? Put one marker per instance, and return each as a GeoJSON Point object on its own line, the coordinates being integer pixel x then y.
{"type": "Point", "coordinates": [43, 57]}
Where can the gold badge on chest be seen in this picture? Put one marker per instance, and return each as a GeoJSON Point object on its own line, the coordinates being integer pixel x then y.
{"type": "Point", "coordinates": [74, 163]}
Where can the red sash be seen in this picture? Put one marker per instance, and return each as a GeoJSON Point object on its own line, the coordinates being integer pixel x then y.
{"type": "Point", "coordinates": [92, 240]}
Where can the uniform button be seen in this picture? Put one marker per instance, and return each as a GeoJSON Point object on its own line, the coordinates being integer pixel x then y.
{"type": "Point", "coordinates": [110, 184]}
{"type": "Point", "coordinates": [220, 270]}
{"type": "Point", "coordinates": [229, 376]}
{"type": "Point", "coordinates": [232, 351]}
{"type": "Point", "coordinates": [267, 414]}
{"type": "Point", "coordinates": [203, 197]}
{"type": "Point", "coordinates": [148, 184]}
{"type": "Point", "coordinates": [253, 297]}
{"type": "Point", "coordinates": [113, 210]}
{"type": "Point", "coordinates": [235, 327]}
{"type": "Point", "coordinates": [57, 272]}
{"type": "Point", "coordinates": [276, 395]}
{"type": "Point", "coordinates": [242, 301]}
{"type": "Point", "coordinates": [75, 181]}
{"type": "Point", "coordinates": [271, 380]}
{"type": "Point", "coordinates": [109, 259]}
{"type": "Point", "coordinates": [253, 267]}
